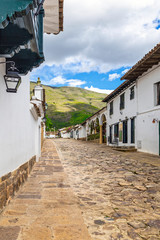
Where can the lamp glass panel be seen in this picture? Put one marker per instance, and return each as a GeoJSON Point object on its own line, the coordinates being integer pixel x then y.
{"type": "Point", "coordinates": [11, 84]}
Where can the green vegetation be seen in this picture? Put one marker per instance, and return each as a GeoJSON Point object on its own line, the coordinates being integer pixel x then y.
{"type": "Point", "coordinates": [49, 123]}
{"type": "Point", "coordinates": [69, 106]}
{"type": "Point", "coordinates": [93, 136]}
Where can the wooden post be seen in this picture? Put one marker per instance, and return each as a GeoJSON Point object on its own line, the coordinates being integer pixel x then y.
{"type": "Point", "coordinates": [101, 137]}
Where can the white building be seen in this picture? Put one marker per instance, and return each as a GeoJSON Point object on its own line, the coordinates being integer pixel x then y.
{"type": "Point", "coordinates": [74, 132]}
{"type": "Point", "coordinates": [96, 124]}
{"type": "Point", "coordinates": [133, 112]}
{"type": "Point", "coordinates": [64, 133]}
{"type": "Point", "coordinates": [147, 72]}
{"type": "Point", "coordinates": [121, 115]}
{"type": "Point", "coordinates": [21, 46]}
{"type": "Point", "coordinates": [20, 126]}
{"type": "Point", "coordinates": [82, 131]}
{"type": "Point", "coordinates": [92, 125]}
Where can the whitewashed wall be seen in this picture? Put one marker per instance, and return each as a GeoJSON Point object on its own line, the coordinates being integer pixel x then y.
{"type": "Point", "coordinates": [19, 131]}
{"type": "Point", "coordinates": [118, 115]}
{"type": "Point", "coordinates": [93, 118]}
{"type": "Point", "coordinates": [74, 134]}
{"type": "Point", "coordinates": [65, 134]}
{"type": "Point", "coordinates": [82, 131]}
{"type": "Point", "coordinates": [147, 131]}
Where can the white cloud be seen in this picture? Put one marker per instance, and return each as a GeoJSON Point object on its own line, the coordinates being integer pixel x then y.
{"type": "Point", "coordinates": [57, 80]}
{"type": "Point", "coordinates": [124, 71]}
{"type": "Point", "coordinates": [98, 90]}
{"type": "Point", "coordinates": [75, 82]}
{"type": "Point", "coordinates": [103, 35]}
{"type": "Point", "coordinates": [114, 76]}
{"type": "Point", "coordinates": [62, 81]}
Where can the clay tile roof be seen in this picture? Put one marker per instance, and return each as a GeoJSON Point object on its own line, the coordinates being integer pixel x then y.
{"type": "Point", "coordinates": [150, 59]}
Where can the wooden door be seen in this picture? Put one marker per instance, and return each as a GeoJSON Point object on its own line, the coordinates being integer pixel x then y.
{"type": "Point", "coordinates": [125, 132]}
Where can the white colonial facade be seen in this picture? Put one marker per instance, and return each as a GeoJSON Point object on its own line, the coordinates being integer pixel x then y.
{"type": "Point", "coordinates": [133, 109]}
{"type": "Point", "coordinates": [21, 126]}
{"type": "Point", "coordinates": [82, 131]}
{"type": "Point", "coordinates": [94, 125]}
{"type": "Point", "coordinates": [64, 133]}
{"type": "Point", "coordinates": [148, 111]}
{"type": "Point", "coordinates": [132, 115]}
{"type": "Point", "coordinates": [121, 116]}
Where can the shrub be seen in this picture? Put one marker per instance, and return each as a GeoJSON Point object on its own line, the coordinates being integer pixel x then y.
{"type": "Point", "coordinates": [93, 136]}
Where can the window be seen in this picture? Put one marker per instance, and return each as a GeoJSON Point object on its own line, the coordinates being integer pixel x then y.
{"type": "Point", "coordinates": [132, 93]}
{"type": "Point", "coordinates": [111, 108]}
{"type": "Point", "coordinates": [116, 130]}
{"type": "Point", "coordinates": [122, 103]}
{"type": "Point", "coordinates": [158, 93]}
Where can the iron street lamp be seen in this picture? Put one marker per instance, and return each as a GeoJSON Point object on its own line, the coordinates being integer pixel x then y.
{"type": "Point", "coordinates": [12, 79]}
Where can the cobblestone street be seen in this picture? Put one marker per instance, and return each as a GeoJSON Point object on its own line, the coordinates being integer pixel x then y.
{"type": "Point", "coordinates": [119, 193]}
{"type": "Point", "coordinates": [90, 193]}
{"type": "Point", "coordinates": [45, 208]}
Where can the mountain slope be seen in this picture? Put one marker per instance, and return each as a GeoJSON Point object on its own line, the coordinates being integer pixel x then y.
{"type": "Point", "coordinates": [70, 105]}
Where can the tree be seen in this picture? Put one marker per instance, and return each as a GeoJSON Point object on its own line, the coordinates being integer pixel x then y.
{"type": "Point", "coordinates": [49, 123]}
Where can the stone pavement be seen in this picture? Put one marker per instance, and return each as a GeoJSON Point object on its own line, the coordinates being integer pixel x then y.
{"type": "Point", "coordinates": [45, 208]}
{"type": "Point", "coordinates": [119, 193]}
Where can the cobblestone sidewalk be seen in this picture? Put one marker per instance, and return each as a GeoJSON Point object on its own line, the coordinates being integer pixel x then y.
{"type": "Point", "coordinates": [119, 193]}
{"type": "Point", "coordinates": [45, 208]}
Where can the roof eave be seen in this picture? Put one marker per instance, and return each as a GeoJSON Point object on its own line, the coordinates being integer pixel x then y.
{"type": "Point", "coordinates": [148, 61]}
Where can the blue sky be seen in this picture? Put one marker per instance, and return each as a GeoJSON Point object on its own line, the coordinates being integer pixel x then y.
{"type": "Point", "coordinates": [57, 76]}
{"type": "Point", "coordinates": [101, 41]}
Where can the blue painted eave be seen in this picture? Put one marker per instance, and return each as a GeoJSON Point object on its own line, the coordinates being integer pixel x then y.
{"type": "Point", "coordinates": [8, 8]}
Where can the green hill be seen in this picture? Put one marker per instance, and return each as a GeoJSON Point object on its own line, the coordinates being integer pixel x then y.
{"type": "Point", "coordinates": [69, 106]}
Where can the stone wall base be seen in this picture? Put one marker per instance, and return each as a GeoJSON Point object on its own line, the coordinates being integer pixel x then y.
{"type": "Point", "coordinates": [11, 182]}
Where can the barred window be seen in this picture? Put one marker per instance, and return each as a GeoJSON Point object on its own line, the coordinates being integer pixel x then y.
{"type": "Point", "coordinates": [122, 102]}
{"type": "Point", "coordinates": [111, 108]}
{"type": "Point", "coordinates": [158, 93]}
{"type": "Point", "coordinates": [132, 93]}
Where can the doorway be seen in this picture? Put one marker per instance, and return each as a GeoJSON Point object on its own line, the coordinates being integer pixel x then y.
{"type": "Point", "coordinates": [110, 134]}
{"type": "Point", "coordinates": [133, 130]}
{"type": "Point", "coordinates": [104, 128]}
{"type": "Point", "coordinates": [116, 130]}
{"type": "Point", "coordinates": [125, 131]}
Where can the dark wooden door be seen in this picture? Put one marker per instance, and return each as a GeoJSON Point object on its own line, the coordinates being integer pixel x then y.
{"type": "Point", "coordinates": [110, 134]}
{"type": "Point", "coordinates": [125, 131]}
{"type": "Point", "coordinates": [116, 130]}
{"type": "Point", "coordinates": [133, 130]}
